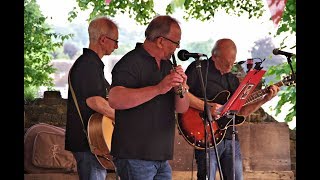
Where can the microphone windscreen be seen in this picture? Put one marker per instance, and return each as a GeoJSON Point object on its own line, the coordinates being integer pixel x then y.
{"type": "Point", "coordinates": [275, 51]}
{"type": "Point", "coordinates": [181, 55]}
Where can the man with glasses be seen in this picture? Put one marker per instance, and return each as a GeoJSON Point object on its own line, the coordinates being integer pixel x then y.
{"type": "Point", "coordinates": [91, 89]}
{"type": "Point", "coordinates": [116, 41]}
{"type": "Point", "coordinates": [144, 95]}
{"type": "Point", "coordinates": [219, 80]}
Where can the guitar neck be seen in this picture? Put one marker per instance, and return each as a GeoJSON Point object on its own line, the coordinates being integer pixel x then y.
{"type": "Point", "coordinates": [260, 93]}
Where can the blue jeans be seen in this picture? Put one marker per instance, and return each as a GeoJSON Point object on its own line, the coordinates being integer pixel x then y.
{"type": "Point", "coordinates": [224, 148]}
{"type": "Point", "coordinates": [89, 167]}
{"type": "Point", "coordinates": [134, 169]}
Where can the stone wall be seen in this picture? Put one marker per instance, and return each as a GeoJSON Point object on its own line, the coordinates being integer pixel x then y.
{"type": "Point", "coordinates": [51, 109]}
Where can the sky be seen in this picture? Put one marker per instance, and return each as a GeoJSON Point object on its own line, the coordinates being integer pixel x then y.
{"type": "Point", "coordinates": [244, 32]}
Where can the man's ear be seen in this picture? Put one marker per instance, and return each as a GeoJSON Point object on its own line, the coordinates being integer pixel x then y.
{"type": "Point", "coordinates": [159, 43]}
{"type": "Point", "coordinates": [102, 39]}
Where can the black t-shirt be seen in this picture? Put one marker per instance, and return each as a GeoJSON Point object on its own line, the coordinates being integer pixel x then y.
{"type": "Point", "coordinates": [145, 131]}
{"type": "Point", "coordinates": [215, 84]}
{"type": "Point", "coordinates": [87, 79]}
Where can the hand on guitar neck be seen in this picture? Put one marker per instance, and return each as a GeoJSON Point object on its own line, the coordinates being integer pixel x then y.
{"type": "Point", "coordinates": [215, 109]}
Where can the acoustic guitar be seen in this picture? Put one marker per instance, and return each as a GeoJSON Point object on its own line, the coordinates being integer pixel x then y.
{"type": "Point", "coordinates": [100, 129]}
{"type": "Point", "coordinates": [191, 123]}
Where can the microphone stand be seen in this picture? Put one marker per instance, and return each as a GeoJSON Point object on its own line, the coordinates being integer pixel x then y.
{"type": "Point", "coordinates": [232, 115]}
{"type": "Point", "coordinates": [290, 64]}
{"type": "Point", "coordinates": [207, 120]}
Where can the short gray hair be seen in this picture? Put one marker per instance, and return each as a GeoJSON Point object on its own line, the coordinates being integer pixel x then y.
{"type": "Point", "coordinates": [159, 26]}
{"type": "Point", "coordinates": [101, 26]}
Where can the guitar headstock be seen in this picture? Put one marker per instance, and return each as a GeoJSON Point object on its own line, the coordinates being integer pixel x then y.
{"type": "Point", "coordinates": [289, 80]}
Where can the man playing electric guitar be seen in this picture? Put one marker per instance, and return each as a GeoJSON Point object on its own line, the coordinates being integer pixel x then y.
{"type": "Point", "coordinates": [220, 79]}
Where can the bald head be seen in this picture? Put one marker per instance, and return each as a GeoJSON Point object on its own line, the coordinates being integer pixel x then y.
{"type": "Point", "coordinates": [101, 26]}
{"type": "Point", "coordinates": [224, 55]}
{"type": "Point", "coordinates": [223, 45]}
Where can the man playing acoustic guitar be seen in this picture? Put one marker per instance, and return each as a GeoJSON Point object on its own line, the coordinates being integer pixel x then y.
{"type": "Point", "coordinates": [87, 94]}
{"type": "Point", "coordinates": [220, 79]}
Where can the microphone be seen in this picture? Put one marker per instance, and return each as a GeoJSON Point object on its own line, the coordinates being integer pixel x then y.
{"type": "Point", "coordinates": [279, 52]}
{"type": "Point", "coordinates": [184, 55]}
{"type": "Point", "coordinates": [249, 64]}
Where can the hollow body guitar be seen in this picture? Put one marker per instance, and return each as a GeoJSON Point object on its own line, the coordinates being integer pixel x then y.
{"type": "Point", "coordinates": [100, 129]}
{"type": "Point", "coordinates": [191, 124]}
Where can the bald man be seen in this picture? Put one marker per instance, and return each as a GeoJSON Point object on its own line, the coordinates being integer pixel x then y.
{"type": "Point", "coordinates": [220, 79]}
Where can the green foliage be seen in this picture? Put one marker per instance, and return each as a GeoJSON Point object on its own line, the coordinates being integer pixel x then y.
{"type": "Point", "coordinates": [143, 10]}
{"type": "Point", "coordinates": [38, 43]}
{"type": "Point", "coordinates": [30, 93]}
{"type": "Point", "coordinates": [204, 10]}
{"type": "Point", "coordinates": [288, 93]}
{"type": "Point", "coordinates": [288, 21]}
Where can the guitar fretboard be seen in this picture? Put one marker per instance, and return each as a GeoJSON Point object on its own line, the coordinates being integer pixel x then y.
{"type": "Point", "coordinates": [260, 93]}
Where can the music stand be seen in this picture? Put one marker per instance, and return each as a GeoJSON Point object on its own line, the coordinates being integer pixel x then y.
{"type": "Point", "coordinates": [238, 99]}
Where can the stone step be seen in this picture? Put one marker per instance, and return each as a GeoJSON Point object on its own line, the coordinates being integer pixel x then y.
{"type": "Point", "coordinates": [176, 175]}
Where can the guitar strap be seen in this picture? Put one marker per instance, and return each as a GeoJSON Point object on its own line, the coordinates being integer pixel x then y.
{"type": "Point", "coordinates": [93, 149]}
{"type": "Point", "coordinates": [76, 103]}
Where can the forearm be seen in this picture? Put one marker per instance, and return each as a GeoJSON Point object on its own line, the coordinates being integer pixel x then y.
{"type": "Point", "coordinates": [124, 98]}
{"type": "Point", "coordinates": [195, 102]}
{"type": "Point", "coordinates": [250, 108]}
{"type": "Point", "coordinates": [100, 105]}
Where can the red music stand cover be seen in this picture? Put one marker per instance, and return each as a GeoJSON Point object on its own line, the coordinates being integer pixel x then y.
{"type": "Point", "coordinates": [245, 88]}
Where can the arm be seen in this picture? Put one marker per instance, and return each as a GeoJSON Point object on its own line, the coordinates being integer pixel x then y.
{"type": "Point", "coordinates": [100, 105]}
{"type": "Point", "coordinates": [124, 98]}
{"type": "Point", "coordinates": [199, 104]}
{"type": "Point", "coordinates": [252, 107]}
{"type": "Point", "coordinates": [121, 97]}
{"type": "Point", "coordinates": [195, 102]}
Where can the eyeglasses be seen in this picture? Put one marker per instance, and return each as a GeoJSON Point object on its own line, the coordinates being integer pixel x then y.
{"type": "Point", "coordinates": [174, 42]}
{"type": "Point", "coordinates": [116, 41]}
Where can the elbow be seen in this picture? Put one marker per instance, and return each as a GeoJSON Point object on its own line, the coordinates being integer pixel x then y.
{"type": "Point", "coordinates": [112, 99]}
{"type": "Point", "coordinates": [186, 109]}
{"type": "Point", "coordinates": [112, 104]}
{"type": "Point", "coordinates": [116, 98]}
{"type": "Point", "coordinates": [183, 109]}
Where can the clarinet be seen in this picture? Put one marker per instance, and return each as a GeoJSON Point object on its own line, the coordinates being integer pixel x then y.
{"type": "Point", "coordinates": [180, 89]}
